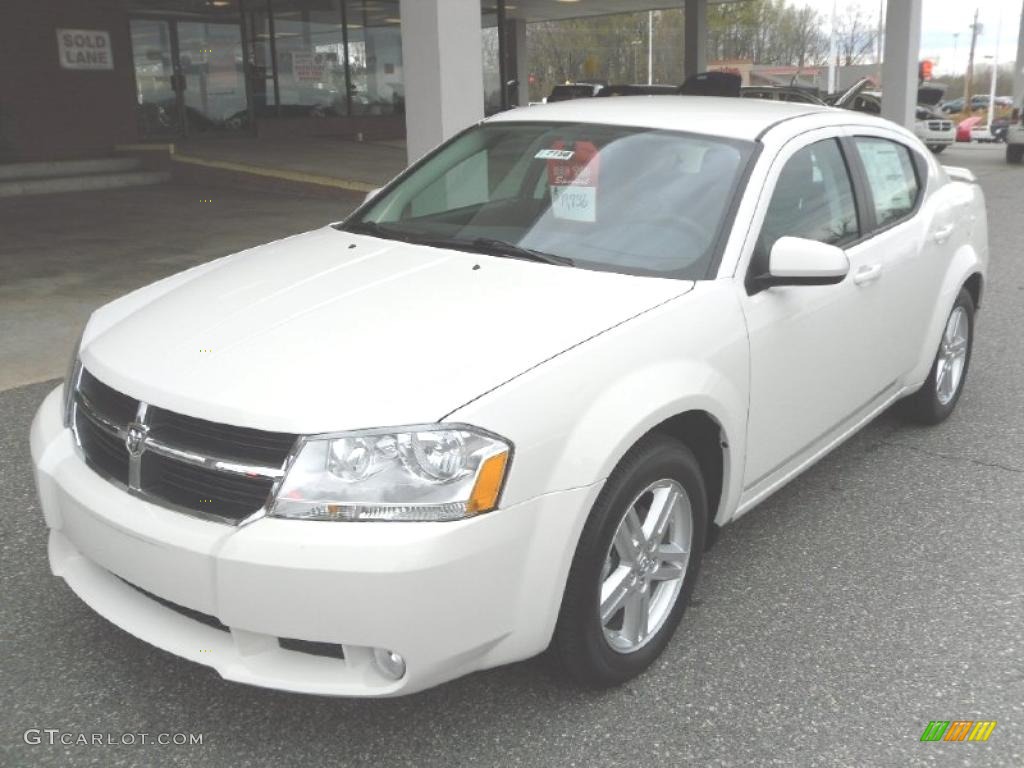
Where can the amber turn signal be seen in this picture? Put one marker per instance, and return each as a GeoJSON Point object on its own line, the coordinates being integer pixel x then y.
{"type": "Point", "coordinates": [488, 485]}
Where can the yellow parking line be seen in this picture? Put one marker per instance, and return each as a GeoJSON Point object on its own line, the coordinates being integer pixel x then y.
{"type": "Point", "coordinates": [277, 173]}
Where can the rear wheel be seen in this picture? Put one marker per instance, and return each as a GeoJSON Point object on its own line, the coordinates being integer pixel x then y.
{"type": "Point", "coordinates": [635, 565]}
{"type": "Point", "coordinates": [1014, 153]}
{"type": "Point", "coordinates": [941, 391]}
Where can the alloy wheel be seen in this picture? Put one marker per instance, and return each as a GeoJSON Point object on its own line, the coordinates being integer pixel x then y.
{"type": "Point", "coordinates": [952, 360]}
{"type": "Point", "coordinates": [645, 565]}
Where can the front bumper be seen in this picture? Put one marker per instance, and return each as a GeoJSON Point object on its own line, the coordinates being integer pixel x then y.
{"type": "Point", "coordinates": [935, 138]}
{"type": "Point", "coordinates": [451, 598]}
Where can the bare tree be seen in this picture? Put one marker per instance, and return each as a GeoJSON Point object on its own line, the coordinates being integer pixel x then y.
{"type": "Point", "coordinates": [807, 44]}
{"type": "Point", "coordinates": [856, 32]}
{"type": "Point", "coordinates": [613, 48]}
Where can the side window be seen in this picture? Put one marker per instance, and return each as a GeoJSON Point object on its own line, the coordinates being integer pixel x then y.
{"type": "Point", "coordinates": [891, 176]}
{"type": "Point", "coordinates": [813, 199]}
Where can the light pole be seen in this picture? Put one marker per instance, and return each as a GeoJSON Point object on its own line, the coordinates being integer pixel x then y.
{"type": "Point", "coordinates": [650, 47]}
{"type": "Point", "coordinates": [995, 68]}
{"type": "Point", "coordinates": [992, 92]}
{"type": "Point", "coordinates": [975, 31]}
{"type": "Point", "coordinates": [833, 49]}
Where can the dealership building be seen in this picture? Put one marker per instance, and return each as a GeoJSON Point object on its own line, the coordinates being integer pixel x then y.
{"type": "Point", "coordinates": [79, 78]}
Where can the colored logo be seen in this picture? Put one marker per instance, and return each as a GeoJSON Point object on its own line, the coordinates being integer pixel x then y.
{"type": "Point", "coordinates": [958, 730]}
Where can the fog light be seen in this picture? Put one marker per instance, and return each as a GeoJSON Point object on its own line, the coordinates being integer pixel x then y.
{"type": "Point", "coordinates": [390, 664]}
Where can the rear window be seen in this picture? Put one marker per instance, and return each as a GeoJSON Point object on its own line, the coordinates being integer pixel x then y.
{"type": "Point", "coordinates": [891, 176]}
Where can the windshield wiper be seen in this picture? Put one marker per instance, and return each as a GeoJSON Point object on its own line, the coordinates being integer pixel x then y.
{"type": "Point", "coordinates": [494, 247]}
{"type": "Point", "coordinates": [502, 248]}
{"type": "Point", "coordinates": [488, 245]}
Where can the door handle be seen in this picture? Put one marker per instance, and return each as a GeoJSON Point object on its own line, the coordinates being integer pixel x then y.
{"type": "Point", "coordinates": [867, 274]}
{"type": "Point", "coordinates": [942, 234]}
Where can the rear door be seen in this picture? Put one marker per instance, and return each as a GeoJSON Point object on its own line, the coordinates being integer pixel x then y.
{"type": "Point", "coordinates": [816, 352]}
{"type": "Point", "coordinates": [911, 236]}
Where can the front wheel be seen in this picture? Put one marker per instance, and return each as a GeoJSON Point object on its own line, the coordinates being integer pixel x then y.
{"type": "Point", "coordinates": [1014, 153]}
{"type": "Point", "coordinates": [937, 148]}
{"type": "Point", "coordinates": [941, 391]}
{"type": "Point", "coordinates": [635, 565]}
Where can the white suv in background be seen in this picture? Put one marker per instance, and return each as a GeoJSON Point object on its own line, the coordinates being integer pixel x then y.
{"type": "Point", "coordinates": [936, 131]}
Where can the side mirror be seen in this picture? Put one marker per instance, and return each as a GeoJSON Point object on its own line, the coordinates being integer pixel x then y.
{"type": "Point", "coordinates": [796, 261]}
{"type": "Point", "coordinates": [371, 194]}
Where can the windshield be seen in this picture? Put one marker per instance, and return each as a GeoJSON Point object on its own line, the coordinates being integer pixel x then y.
{"type": "Point", "coordinates": [631, 200]}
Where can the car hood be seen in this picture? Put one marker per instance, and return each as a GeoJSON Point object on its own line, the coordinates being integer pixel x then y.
{"type": "Point", "coordinates": [329, 330]}
{"type": "Point", "coordinates": [930, 95]}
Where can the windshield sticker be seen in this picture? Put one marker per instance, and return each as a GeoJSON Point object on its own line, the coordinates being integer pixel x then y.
{"type": "Point", "coordinates": [554, 154]}
{"type": "Point", "coordinates": [573, 182]}
{"type": "Point", "coordinates": [574, 203]}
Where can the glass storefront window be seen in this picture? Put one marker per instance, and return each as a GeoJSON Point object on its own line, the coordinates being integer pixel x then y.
{"type": "Point", "coordinates": [492, 70]}
{"type": "Point", "coordinates": [375, 57]}
{"type": "Point", "coordinates": [218, 67]}
{"type": "Point", "coordinates": [310, 50]}
{"type": "Point", "coordinates": [155, 98]}
{"type": "Point", "coordinates": [210, 57]}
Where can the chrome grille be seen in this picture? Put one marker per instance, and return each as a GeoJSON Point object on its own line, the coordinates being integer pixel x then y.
{"type": "Point", "coordinates": [203, 468]}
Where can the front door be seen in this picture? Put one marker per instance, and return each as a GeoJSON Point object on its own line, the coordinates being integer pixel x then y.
{"type": "Point", "coordinates": [817, 352]}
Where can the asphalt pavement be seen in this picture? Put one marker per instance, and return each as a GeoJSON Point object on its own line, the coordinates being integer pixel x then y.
{"type": "Point", "coordinates": [881, 590]}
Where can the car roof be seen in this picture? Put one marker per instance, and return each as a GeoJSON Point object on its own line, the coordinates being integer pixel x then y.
{"type": "Point", "coordinates": [712, 115]}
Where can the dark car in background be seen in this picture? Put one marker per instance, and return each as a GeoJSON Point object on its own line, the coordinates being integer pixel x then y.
{"type": "Point", "coordinates": [633, 89]}
{"type": "Point", "coordinates": [780, 93]}
{"type": "Point", "coordinates": [570, 91]}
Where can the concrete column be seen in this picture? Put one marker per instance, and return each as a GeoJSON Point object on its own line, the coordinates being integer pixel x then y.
{"type": "Point", "coordinates": [1018, 68]}
{"type": "Point", "coordinates": [899, 66]}
{"type": "Point", "coordinates": [443, 67]}
{"type": "Point", "coordinates": [519, 61]}
{"type": "Point", "coordinates": [695, 36]}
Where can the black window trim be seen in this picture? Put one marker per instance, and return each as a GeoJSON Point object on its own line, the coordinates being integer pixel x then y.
{"type": "Point", "coordinates": [917, 162]}
{"type": "Point", "coordinates": [752, 281]}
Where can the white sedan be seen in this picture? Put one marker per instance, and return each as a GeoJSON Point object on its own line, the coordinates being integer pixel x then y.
{"type": "Point", "coordinates": [505, 405]}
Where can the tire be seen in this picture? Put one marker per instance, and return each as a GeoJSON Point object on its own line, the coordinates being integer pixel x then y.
{"type": "Point", "coordinates": [1014, 153]}
{"type": "Point", "coordinates": [936, 148]}
{"type": "Point", "coordinates": [942, 389]}
{"type": "Point", "coordinates": [601, 654]}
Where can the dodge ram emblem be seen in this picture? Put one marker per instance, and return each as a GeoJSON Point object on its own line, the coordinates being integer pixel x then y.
{"type": "Point", "coordinates": [135, 438]}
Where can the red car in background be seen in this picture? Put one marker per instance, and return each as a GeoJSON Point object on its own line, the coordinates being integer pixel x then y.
{"type": "Point", "coordinates": [963, 128]}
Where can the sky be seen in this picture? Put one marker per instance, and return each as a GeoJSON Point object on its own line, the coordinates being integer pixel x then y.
{"type": "Point", "coordinates": [944, 18]}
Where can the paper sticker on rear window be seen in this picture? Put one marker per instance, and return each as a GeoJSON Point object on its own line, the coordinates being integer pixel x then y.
{"type": "Point", "coordinates": [554, 154]}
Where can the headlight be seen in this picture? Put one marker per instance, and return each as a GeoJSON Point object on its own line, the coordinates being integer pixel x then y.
{"type": "Point", "coordinates": [71, 380]}
{"type": "Point", "coordinates": [428, 473]}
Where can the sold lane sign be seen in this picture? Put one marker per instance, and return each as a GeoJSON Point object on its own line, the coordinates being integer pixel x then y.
{"type": "Point", "coordinates": [84, 49]}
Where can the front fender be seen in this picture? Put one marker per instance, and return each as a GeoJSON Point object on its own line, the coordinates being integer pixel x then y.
{"type": "Point", "coordinates": [573, 418]}
{"type": "Point", "coordinates": [640, 401]}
